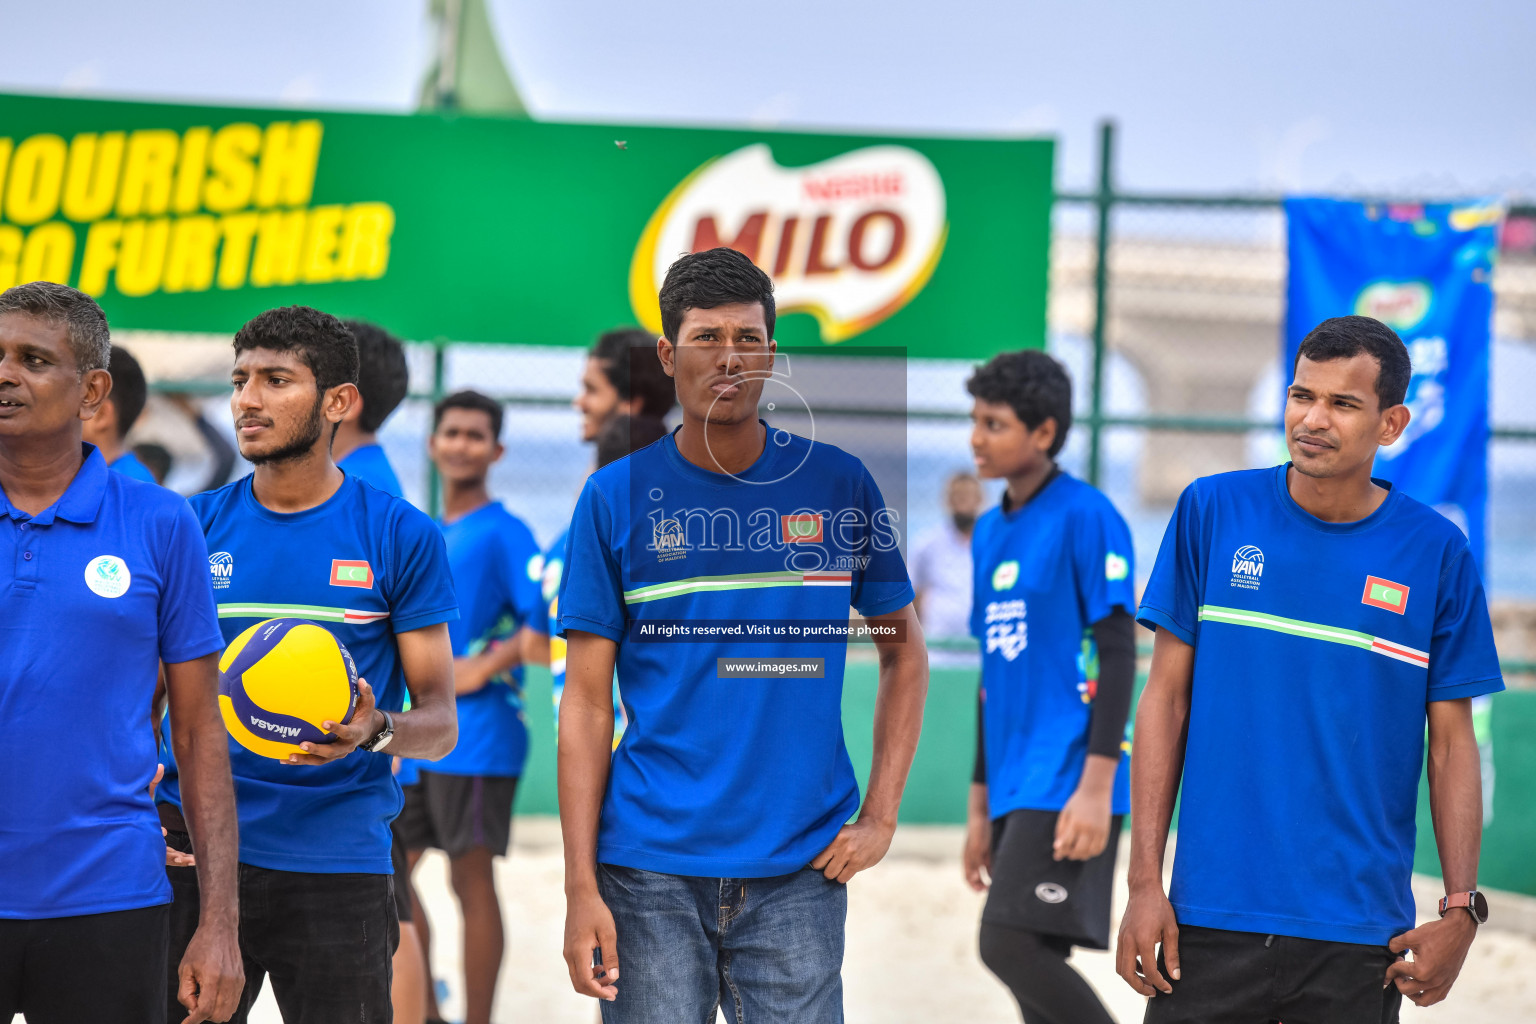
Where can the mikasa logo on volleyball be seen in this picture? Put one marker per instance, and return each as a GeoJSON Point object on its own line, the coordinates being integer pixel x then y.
{"type": "Point", "coordinates": [1247, 567]}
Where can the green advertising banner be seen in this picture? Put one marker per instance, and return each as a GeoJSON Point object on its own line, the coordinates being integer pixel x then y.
{"type": "Point", "coordinates": [187, 218]}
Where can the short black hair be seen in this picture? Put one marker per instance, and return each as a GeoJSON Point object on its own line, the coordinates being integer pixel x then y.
{"type": "Point", "coordinates": [129, 392]}
{"type": "Point", "coordinates": [382, 376]}
{"type": "Point", "coordinates": [1344, 337]}
{"type": "Point", "coordinates": [714, 277]}
{"type": "Point", "coordinates": [628, 359]}
{"type": "Point", "coordinates": [321, 340]}
{"type": "Point", "coordinates": [89, 337]}
{"type": "Point", "coordinates": [623, 434]}
{"type": "Point", "coordinates": [157, 459]}
{"type": "Point", "coordinates": [1031, 383]}
{"type": "Point", "coordinates": [469, 400]}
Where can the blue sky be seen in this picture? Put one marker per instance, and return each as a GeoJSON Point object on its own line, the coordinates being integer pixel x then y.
{"type": "Point", "coordinates": [1309, 94]}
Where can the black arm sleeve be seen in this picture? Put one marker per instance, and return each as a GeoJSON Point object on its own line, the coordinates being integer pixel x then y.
{"type": "Point", "coordinates": [979, 773]}
{"type": "Point", "coordinates": [1115, 635]}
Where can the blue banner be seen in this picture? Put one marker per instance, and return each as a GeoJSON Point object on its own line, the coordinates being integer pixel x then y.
{"type": "Point", "coordinates": [1425, 271]}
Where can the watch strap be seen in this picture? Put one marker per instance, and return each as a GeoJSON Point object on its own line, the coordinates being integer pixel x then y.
{"type": "Point", "coordinates": [1472, 901]}
{"type": "Point", "coordinates": [379, 740]}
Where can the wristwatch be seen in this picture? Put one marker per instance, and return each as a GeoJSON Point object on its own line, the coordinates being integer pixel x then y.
{"type": "Point", "coordinates": [381, 739]}
{"type": "Point", "coordinates": [1475, 903]}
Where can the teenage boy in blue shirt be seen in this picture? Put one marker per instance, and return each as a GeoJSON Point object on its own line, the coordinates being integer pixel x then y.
{"type": "Point", "coordinates": [462, 804]}
{"type": "Point", "coordinates": [1311, 621]}
{"type": "Point", "coordinates": [1054, 592]}
{"type": "Point", "coordinates": [383, 379]}
{"type": "Point", "coordinates": [706, 857]}
{"type": "Point", "coordinates": [102, 579]}
{"type": "Point", "coordinates": [300, 538]}
{"type": "Point", "coordinates": [117, 415]}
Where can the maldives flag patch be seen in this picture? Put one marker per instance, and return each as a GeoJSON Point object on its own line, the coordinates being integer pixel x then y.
{"type": "Point", "coordinates": [801, 529]}
{"type": "Point", "coordinates": [1380, 593]}
{"type": "Point", "coordinates": [351, 573]}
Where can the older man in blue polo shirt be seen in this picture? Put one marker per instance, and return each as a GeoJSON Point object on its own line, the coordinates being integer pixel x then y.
{"type": "Point", "coordinates": [102, 578]}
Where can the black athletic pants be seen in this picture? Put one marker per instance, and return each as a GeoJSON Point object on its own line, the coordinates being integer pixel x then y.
{"type": "Point", "coordinates": [325, 941]}
{"type": "Point", "coordinates": [1249, 978]}
{"type": "Point", "coordinates": [94, 969]}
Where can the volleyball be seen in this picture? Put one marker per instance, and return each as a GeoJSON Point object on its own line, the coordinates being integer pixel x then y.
{"type": "Point", "coordinates": [279, 680]}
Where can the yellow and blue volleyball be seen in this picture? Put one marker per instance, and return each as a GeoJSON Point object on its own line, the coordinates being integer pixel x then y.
{"type": "Point", "coordinates": [279, 680]}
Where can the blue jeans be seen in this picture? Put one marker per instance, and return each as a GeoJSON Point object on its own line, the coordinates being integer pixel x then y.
{"type": "Point", "coordinates": [767, 950]}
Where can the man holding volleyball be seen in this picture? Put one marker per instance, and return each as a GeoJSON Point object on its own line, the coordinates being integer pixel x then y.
{"type": "Point", "coordinates": [299, 538]}
{"type": "Point", "coordinates": [102, 578]}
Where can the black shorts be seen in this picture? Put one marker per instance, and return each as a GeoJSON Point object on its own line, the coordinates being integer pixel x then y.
{"type": "Point", "coordinates": [1250, 978]}
{"type": "Point", "coordinates": [325, 940]}
{"type": "Point", "coordinates": [402, 878]}
{"type": "Point", "coordinates": [1032, 892]}
{"type": "Point", "coordinates": [456, 813]}
{"type": "Point", "coordinates": [96, 967]}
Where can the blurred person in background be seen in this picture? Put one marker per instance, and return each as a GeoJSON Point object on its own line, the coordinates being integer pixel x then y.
{"type": "Point", "coordinates": [622, 375]}
{"type": "Point", "coordinates": [382, 382]}
{"type": "Point", "coordinates": [462, 804]}
{"type": "Point", "coordinates": [117, 415]}
{"type": "Point", "coordinates": [941, 571]}
{"type": "Point", "coordinates": [1054, 595]}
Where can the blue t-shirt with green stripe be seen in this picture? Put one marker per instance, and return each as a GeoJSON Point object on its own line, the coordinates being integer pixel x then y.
{"type": "Point", "coordinates": [718, 774]}
{"type": "Point", "coordinates": [1043, 574]}
{"type": "Point", "coordinates": [1317, 647]}
{"type": "Point", "coordinates": [366, 566]}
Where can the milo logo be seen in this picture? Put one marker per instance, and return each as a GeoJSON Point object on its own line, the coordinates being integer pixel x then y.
{"type": "Point", "coordinates": [850, 240]}
{"type": "Point", "coordinates": [1401, 305]}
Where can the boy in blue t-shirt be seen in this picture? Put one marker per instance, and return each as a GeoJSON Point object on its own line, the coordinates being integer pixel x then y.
{"type": "Point", "coordinates": [462, 804]}
{"type": "Point", "coordinates": [1309, 621]}
{"type": "Point", "coordinates": [706, 857]}
{"type": "Point", "coordinates": [300, 538]}
{"type": "Point", "coordinates": [383, 380]}
{"type": "Point", "coordinates": [1052, 603]}
{"type": "Point", "coordinates": [102, 580]}
{"type": "Point", "coordinates": [108, 429]}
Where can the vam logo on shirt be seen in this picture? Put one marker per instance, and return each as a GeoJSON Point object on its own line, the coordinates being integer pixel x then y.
{"type": "Point", "coordinates": [1247, 567]}
{"type": "Point", "coordinates": [107, 576]}
{"type": "Point", "coordinates": [1005, 575]}
{"type": "Point", "coordinates": [1380, 593]}
{"type": "Point", "coordinates": [1116, 567]}
{"type": "Point", "coordinates": [351, 573]}
{"type": "Point", "coordinates": [669, 540]}
{"type": "Point", "coordinates": [221, 569]}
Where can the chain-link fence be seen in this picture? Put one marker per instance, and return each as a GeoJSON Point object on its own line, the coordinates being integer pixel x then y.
{"type": "Point", "coordinates": [1182, 324]}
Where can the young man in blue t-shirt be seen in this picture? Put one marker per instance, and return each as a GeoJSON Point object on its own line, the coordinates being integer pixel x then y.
{"type": "Point", "coordinates": [706, 857]}
{"type": "Point", "coordinates": [102, 579]}
{"type": "Point", "coordinates": [1309, 620]}
{"type": "Point", "coordinates": [300, 538]}
{"type": "Point", "coordinates": [117, 415]}
{"type": "Point", "coordinates": [383, 379]}
{"type": "Point", "coordinates": [1052, 603]}
{"type": "Point", "coordinates": [462, 804]}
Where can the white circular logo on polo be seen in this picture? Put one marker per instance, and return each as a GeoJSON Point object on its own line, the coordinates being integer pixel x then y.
{"type": "Point", "coordinates": [221, 567]}
{"type": "Point", "coordinates": [108, 576]}
{"type": "Point", "coordinates": [1050, 892]}
{"type": "Point", "coordinates": [1005, 575]}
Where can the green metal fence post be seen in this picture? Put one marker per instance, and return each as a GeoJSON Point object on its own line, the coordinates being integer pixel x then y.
{"type": "Point", "coordinates": [1103, 200]}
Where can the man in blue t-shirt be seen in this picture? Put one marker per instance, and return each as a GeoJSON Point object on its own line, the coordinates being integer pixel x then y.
{"type": "Point", "coordinates": [462, 804]}
{"type": "Point", "coordinates": [1052, 602]}
{"type": "Point", "coordinates": [117, 415]}
{"type": "Point", "coordinates": [102, 579]}
{"type": "Point", "coordinates": [383, 379]}
{"type": "Point", "coordinates": [1309, 621]}
{"type": "Point", "coordinates": [709, 863]}
{"type": "Point", "coordinates": [299, 538]}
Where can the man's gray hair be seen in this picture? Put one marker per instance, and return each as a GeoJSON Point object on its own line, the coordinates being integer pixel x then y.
{"type": "Point", "coordinates": [89, 336]}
